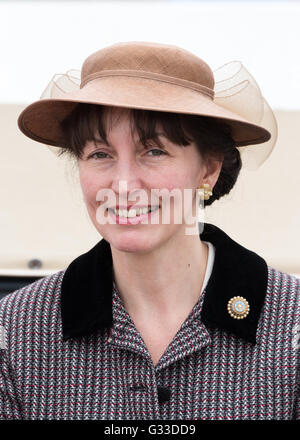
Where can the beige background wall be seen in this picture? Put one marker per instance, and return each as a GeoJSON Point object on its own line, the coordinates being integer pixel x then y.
{"type": "Point", "coordinates": [43, 216]}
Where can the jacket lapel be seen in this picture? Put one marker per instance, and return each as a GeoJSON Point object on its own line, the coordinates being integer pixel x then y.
{"type": "Point", "coordinates": [86, 291]}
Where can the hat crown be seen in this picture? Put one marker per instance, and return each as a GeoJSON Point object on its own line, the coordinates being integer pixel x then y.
{"type": "Point", "coordinates": [151, 57]}
{"type": "Point", "coordinates": [157, 77]}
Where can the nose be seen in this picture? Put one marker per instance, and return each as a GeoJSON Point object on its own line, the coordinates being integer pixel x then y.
{"type": "Point", "coordinates": [127, 172]}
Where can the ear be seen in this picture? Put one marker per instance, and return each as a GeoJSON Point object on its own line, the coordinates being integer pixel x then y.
{"type": "Point", "coordinates": [211, 170]}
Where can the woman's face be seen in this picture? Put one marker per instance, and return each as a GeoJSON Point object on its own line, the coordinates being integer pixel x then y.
{"type": "Point", "coordinates": [103, 167]}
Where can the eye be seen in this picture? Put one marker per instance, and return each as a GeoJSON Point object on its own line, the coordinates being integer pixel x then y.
{"type": "Point", "coordinates": [156, 149]}
{"type": "Point", "coordinates": [97, 152]}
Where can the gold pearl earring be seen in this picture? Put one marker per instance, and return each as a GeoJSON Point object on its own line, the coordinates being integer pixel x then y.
{"type": "Point", "coordinates": [205, 191]}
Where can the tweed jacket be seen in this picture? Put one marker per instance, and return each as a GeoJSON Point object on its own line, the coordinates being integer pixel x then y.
{"type": "Point", "coordinates": [72, 350]}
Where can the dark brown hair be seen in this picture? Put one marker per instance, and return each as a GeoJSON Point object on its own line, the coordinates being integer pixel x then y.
{"type": "Point", "coordinates": [211, 136]}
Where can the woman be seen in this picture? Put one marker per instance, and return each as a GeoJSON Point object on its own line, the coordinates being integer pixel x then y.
{"type": "Point", "coordinates": [155, 321]}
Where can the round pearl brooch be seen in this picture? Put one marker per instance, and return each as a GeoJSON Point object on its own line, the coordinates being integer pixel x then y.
{"type": "Point", "coordinates": [238, 307]}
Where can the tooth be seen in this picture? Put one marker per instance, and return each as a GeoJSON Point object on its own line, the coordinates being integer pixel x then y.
{"type": "Point", "coordinates": [132, 213]}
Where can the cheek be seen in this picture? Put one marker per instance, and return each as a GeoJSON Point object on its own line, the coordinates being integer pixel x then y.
{"type": "Point", "coordinates": [185, 183]}
{"type": "Point", "coordinates": [169, 180]}
{"type": "Point", "coordinates": [89, 185]}
{"type": "Point", "coordinates": [176, 180]}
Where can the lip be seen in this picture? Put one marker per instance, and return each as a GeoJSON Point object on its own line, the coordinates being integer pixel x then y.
{"type": "Point", "coordinates": [132, 220]}
{"type": "Point", "coordinates": [130, 206]}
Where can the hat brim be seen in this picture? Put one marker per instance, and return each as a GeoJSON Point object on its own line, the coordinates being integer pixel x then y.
{"type": "Point", "coordinates": [41, 120]}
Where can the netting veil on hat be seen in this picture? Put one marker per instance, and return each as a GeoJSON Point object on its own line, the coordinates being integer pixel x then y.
{"type": "Point", "coordinates": [235, 92]}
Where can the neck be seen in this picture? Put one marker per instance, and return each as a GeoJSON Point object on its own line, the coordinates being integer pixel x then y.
{"type": "Point", "coordinates": [166, 281]}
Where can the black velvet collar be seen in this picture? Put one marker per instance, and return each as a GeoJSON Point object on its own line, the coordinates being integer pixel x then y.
{"type": "Point", "coordinates": [86, 291]}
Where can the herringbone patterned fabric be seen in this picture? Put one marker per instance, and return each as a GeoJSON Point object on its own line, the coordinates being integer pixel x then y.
{"type": "Point", "coordinates": [210, 373]}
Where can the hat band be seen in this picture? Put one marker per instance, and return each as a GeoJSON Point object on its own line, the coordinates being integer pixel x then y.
{"type": "Point", "coordinates": [150, 75]}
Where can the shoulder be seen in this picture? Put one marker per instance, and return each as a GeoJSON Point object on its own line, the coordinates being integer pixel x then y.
{"type": "Point", "coordinates": [283, 287]}
{"type": "Point", "coordinates": [34, 293]}
{"type": "Point", "coordinates": [280, 316]}
{"type": "Point", "coordinates": [30, 310]}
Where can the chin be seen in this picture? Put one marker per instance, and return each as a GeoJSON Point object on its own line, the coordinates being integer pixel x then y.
{"type": "Point", "coordinates": [130, 241]}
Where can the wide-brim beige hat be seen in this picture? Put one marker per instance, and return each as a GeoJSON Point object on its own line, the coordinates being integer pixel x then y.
{"type": "Point", "coordinates": [158, 77]}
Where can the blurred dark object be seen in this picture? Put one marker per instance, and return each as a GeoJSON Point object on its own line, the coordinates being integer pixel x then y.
{"type": "Point", "coordinates": [9, 284]}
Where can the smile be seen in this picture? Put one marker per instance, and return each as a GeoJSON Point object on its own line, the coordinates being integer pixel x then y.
{"type": "Point", "coordinates": [126, 217]}
{"type": "Point", "coordinates": [132, 212]}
